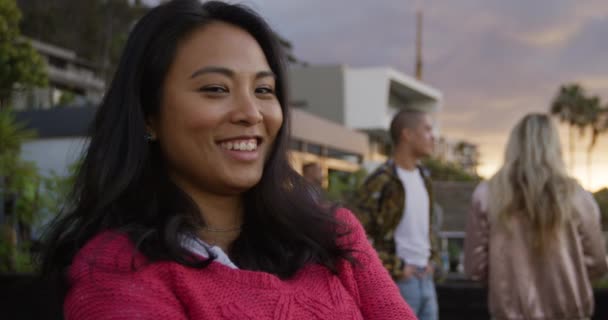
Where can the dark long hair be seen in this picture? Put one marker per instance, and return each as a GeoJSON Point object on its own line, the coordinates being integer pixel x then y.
{"type": "Point", "coordinates": [123, 184]}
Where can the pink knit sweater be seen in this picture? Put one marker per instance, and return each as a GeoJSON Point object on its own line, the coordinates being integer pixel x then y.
{"type": "Point", "coordinates": [104, 286]}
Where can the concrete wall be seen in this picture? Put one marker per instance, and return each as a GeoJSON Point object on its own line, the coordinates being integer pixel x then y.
{"type": "Point", "coordinates": [319, 90]}
{"type": "Point", "coordinates": [367, 92]}
{"type": "Point", "coordinates": [455, 200]}
{"type": "Point", "coordinates": [310, 128]}
{"type": "Point", "coordinates": [54, 154]}
{"type": "Point", "coordinates": [360, 98]}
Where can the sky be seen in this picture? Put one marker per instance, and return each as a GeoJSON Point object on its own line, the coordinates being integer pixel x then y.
{"type": "Point", "coordinates": [493, 60]}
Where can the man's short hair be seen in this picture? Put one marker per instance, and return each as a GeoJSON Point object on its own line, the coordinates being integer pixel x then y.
{"type": "Point", "coordinates": [402, 120]}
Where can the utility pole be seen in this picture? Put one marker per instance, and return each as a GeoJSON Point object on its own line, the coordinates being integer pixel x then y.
{"type": "Point", "coordinates": [419, 45]}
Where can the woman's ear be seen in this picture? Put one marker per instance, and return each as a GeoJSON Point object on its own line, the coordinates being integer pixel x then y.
{"type": "Point", "coordinates": [151, 129]}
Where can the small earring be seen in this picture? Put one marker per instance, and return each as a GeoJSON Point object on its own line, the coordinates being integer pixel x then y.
{"type": "Point", "coordinates": [148, 137]}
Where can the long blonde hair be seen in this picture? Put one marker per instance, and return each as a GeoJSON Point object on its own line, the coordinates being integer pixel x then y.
{"type": "Point", "coordinates": [533, 182]}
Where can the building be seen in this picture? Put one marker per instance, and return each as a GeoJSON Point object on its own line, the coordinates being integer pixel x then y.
{"type": "Point", "coordinates": [62, 135]}
{"type": "Point", "coordinates": [340, 118]}
{"type": "Point", "coordinates": [335, 147]}
{"type": "Point", "coordinates": [364, 99]}
{"type": "Point", "coordinates": [72, 81]}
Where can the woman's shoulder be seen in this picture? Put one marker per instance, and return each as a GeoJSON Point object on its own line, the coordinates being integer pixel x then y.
{"type": "Point", "coordinates": [585, 203]}
{"type": "Point", "coordinates": [481, 190]}
{"type": "Point", "coordinates": [481, 196]}
{"type": "Point", "coordinates": [346, 216]}
{"type": "Point", "coordinates": [108, 251]}
{"type": "Point", "coordinates": [350, 222]}
{"type": "Point", "coordinates": [110, 279]}
{"type": "Point", "coordinates": [350, 229]}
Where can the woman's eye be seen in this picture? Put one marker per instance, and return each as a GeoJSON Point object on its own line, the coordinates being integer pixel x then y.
{"type": "Point", "coordinates": [214, 89]}
{"type": "Point", "coordinates": [264, 90]}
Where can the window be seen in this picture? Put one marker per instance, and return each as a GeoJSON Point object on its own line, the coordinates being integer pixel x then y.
{"type": "Point", "coordinates": [295, 144]}
{"type": "Point", "coordinates": [343, 155]}
{"type": "Point", "coordinates": [314, 149]}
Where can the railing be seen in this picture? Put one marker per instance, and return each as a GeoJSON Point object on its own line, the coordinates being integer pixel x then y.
{"type": "Point", "coordinates": [23, 296]}
{"type": "Point", "coordinates": [468, 300]}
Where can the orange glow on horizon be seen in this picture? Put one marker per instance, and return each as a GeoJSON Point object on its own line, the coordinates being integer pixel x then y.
{"type": "Point", "coordinates": [593, 180]}
{"type": "Point", "coordinates": [492, 146]}
{"type": "Point", "coordinates": [598, 177]}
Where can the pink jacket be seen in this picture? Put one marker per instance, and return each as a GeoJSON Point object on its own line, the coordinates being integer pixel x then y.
{"type": "Point", "coordinates": [524, 285]}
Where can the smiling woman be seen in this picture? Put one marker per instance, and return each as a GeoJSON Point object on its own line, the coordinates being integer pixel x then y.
{"type": "Point", "coordinates": [186, 207]}
{"type": "Point", "coordinates": [218, 119]}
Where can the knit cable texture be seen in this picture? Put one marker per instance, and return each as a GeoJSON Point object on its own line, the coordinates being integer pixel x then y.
{"type": "Point", "coordinates": [109, 279]}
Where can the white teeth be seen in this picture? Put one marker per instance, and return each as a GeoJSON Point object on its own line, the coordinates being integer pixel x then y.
{"type": "Point", "coordinates": [241, 145]}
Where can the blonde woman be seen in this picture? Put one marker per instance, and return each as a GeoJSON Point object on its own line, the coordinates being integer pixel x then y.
{"type": "Point", "coordinates": [533, 234]}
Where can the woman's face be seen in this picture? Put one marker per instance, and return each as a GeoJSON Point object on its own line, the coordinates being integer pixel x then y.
{"type": "Point", "coordinates": [219, 114]}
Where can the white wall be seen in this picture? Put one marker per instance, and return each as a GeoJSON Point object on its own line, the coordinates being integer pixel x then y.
{"type": "Point", "coordinates": [54, 154]}
{"type": "Point", "coordinates": [366, 98]}
{"type": "Point", "coordinates": [358, 98]}
{"type": "Point", "coordinates": [368, 92]}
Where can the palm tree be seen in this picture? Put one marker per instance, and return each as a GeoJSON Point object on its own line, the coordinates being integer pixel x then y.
{"type": "Point", "coordinates": [569, 106]}
{"type": "Point", "coordinates": [598, 122]}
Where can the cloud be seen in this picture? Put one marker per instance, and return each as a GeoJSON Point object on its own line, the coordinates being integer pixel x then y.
{"type": "Point", "coordinates": [586, 54]}
{"type": "Point", "coordinates": [551, 37]}
{"type": "Point", "coordinates": [494, 60]}
{"type": "Point", "coordinates": [346, 32]}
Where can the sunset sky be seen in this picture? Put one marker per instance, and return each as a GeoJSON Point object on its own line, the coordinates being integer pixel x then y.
{"type": "Point", "coordinates": [494, 60]}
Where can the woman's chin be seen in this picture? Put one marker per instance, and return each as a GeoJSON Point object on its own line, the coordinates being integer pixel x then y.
{"type": "Point", "coordinates": [244, 184]}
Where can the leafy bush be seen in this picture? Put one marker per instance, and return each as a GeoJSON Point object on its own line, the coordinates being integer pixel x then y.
{"type": "Point", "coordinates": [26, 196]}
{"type": "Point", "coordinates": [342, 184]}
{"type": "Point", "coordinates": [448, 171]}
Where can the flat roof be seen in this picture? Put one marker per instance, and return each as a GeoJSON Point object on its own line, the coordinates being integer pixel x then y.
{"type": "Point", "coordinates": [311, 128]}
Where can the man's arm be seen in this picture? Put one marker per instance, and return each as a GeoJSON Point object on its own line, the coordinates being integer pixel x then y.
{"type": "Point", "coordinates": [368, 205]}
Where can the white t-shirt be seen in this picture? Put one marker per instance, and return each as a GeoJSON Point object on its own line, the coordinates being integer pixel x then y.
{"type": "Point", "coordinates": [412, 234]}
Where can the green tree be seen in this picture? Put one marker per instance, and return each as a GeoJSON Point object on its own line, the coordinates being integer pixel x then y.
{"type": "Point", "coordinates": [20, 64]}
{"type": "Point", "coordinates": [26, 196]}
{"type": "Point", "coordinates": [18, 179]}
{"type": "Point", "coordinates": [448, 171]}
{"type": "Point", "coordinates": [95, 29]}
{"type": "Point", "coordinates": [572, 106]}
{"type": "Point", "coordinates": [342, 185]}
{"type": "Point", "coordinates": [569, 106]}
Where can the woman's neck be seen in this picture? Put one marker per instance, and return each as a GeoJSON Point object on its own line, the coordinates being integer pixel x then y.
{"type": "Point", "coordinates": [221, 212]}
{"type": "Point", "coordinates": [222, 216]}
